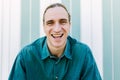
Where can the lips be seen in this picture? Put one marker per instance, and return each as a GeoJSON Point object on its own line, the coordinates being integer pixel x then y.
{"type": "Point", "coordinates": [56, 35]}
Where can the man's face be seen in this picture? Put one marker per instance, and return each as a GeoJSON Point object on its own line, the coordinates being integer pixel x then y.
{"type": "Point", "coordinates": [56, 26]}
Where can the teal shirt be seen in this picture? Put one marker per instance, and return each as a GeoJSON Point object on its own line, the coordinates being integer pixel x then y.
{"type": "Point", "coordinates": [35, 62]}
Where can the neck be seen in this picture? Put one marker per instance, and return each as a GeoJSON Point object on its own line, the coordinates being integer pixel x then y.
{"type": "Point", "coordinates": [57, 51]}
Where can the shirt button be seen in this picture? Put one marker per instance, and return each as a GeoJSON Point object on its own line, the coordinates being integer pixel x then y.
{"type": "Point", "coordinates": [56, 78]}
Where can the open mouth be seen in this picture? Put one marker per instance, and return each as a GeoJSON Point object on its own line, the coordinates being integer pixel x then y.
{"type": "Point", "coordinates": [56, 35]}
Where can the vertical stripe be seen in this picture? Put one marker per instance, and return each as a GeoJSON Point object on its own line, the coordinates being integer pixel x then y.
{"type": "Point", "coordinates": [76, 19]}
{"type": "Point", "coordinates": [67, 4]}
{"type": "Point", "coordinates": [112, 41]}
{"type": "Point", "coordinates": [86, 22]}
{"type": "Point", "coordinates": [1, 2]}
{"type": "Point", "coordinates": [30, 20]}
{"type": "Point", "coordinates": [9, 35]}
{"type": "Point", "coordinates": [5, 37]}
{"type": "Point", "coordinates": [9, 25]}
{"type": "Point", "coordinates": [107, 46]}
{"type": "Point", "coordinates": [25, 22]}
{"type": "Point", "coordinates": [14, 35]}
{"type": "Point", "coordinates": [116, 38]}
{"type": "Point", "coordinates": [35, 19]}
{"type": "Point", "coordinates": [96, 32]}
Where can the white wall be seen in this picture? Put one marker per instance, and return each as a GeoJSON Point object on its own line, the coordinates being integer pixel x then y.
{"type": "Point", "coordinates": [91, 28]}
{"type": "Point", "coordinates": [9, 35]}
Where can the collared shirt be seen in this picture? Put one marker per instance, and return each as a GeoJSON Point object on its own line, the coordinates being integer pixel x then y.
{"type": "Point", "coordinates": [35, 62]}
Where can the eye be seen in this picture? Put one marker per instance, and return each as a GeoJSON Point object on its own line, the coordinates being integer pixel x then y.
{"type": "Point", "coordinates": [50, 22]}
{"type": "Point", "coordinates": [63, 21]}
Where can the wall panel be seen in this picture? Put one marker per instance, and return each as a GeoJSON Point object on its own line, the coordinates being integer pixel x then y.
{"type": "Point", "coordinates": [9, 35]}
{"type": "Point", "coordinates": [116, 38]}
{"type": "Point", "coordinates": [91, 28]}
{"type": "Point", "coordinates": [111, 39]}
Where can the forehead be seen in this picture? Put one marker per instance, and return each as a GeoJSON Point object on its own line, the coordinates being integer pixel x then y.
{"type": "Point", "coordinates": [56, 13]}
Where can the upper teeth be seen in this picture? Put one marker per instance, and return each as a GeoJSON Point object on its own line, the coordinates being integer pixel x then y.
{"type": "Point", "coordinates": [57, 35]}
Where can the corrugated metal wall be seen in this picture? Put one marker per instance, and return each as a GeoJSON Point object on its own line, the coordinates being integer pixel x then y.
{"type": "Point", "coordinates": [9, 34]}
{"type": "Point", "coordinates": [94, 22]}
{"type": "Point", "coordinates": [111, 39]}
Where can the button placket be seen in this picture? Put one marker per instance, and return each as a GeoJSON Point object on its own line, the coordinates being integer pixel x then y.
{"type": "Point", "coordinates": [56, 70]}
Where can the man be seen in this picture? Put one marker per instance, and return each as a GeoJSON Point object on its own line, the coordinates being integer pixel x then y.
{"type": "Point", "coordinates": [56, 56]}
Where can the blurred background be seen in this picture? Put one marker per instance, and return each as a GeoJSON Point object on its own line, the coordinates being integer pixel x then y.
{"type": "Point", "coordinates": [94, 22]}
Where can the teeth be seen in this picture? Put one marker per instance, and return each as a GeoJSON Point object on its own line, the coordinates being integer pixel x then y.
{"type": "Point", "coordinates": [56, 35]}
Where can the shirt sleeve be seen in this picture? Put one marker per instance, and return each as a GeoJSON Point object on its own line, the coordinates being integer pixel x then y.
{"type": "Point", "coordinates": [18, 69]}
{"type": "Point", "coordinates": [90, 70]}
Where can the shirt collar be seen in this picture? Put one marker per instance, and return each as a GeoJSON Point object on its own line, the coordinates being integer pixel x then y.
{"type": "Point", "coordinates": [46, 53]}
{"type": "Point", "coordinates": [67, 50]}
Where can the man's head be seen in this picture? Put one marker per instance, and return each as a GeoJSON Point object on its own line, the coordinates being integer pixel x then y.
{"type": "Point", "coordinates": [56, 22]}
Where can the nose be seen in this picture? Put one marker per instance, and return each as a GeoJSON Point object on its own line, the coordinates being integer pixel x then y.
{"type": "Point", "coordinates": [57, 27]}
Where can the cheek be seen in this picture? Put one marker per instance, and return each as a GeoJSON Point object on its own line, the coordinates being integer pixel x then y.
{"type": "Point", "coordinates": [47, 30]}
{"type": "Point", "coordinates": [66, 29]}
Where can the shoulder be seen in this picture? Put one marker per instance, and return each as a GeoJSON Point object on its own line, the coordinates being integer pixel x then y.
{"type": "Point", "coordinates": [77, 45]}
{"type": "Point", "coordinates": [33, 48]}
{"type": "Point", "coordinates": [78, 49]}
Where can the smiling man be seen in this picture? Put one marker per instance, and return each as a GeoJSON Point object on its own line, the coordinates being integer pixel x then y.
{"type": "Point", "coordinates": [56, 56]}
{"type": "Point", "coordinates": [56, 26]}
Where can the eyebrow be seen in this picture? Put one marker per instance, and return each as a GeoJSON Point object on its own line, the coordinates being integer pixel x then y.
{"type": "Point", "coordinates": [49, 21]}
{"type": "Point", "coordinates": [63, 19]}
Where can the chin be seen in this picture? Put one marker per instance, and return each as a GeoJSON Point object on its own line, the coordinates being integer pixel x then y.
{"type": "Point", "coordinates": [57, 45]}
